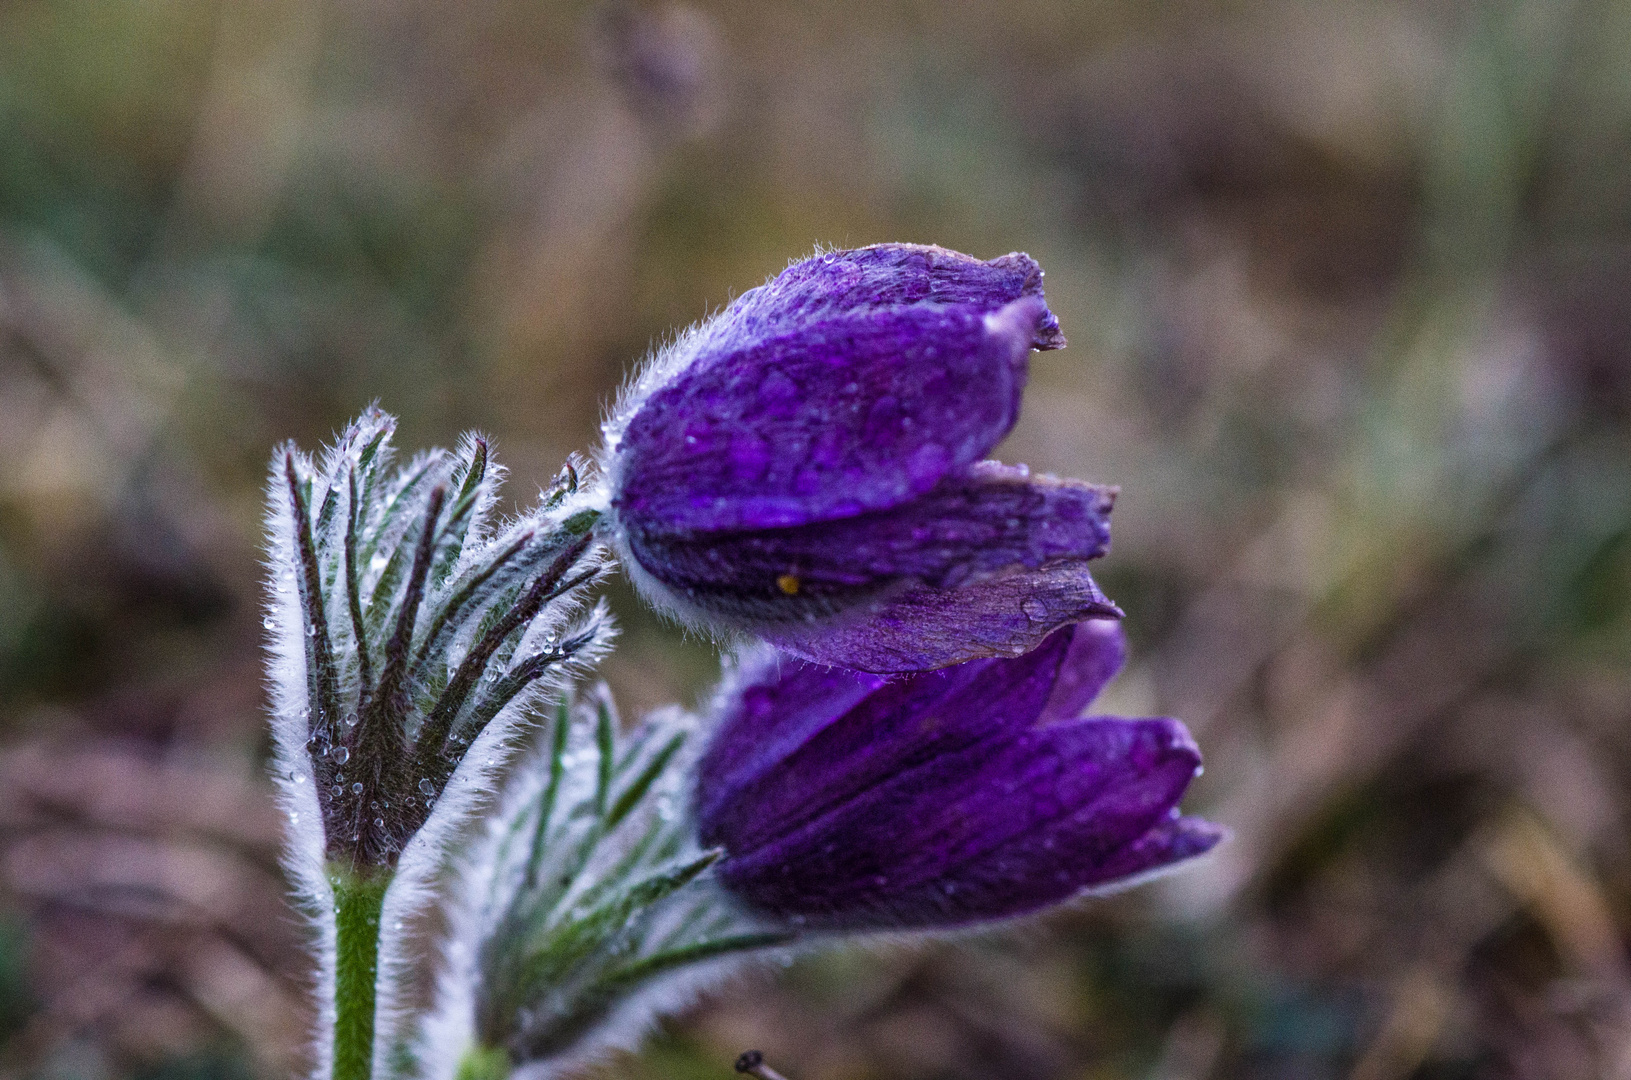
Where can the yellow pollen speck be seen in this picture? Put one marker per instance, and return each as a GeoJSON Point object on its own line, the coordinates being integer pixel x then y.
{"type": "Point", "coordinates": [789, 584]}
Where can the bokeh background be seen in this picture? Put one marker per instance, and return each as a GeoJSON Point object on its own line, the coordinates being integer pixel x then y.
{"type": "Point", "coordinates": [1348, 290]}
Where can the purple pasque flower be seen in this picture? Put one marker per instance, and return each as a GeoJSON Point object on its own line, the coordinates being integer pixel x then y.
{"type": "Point", "coordinates": [844, 800]}
{"type": "Point", "coordinates": [807, 466]}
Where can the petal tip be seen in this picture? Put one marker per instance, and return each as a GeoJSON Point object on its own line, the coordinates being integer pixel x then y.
{"type": "Point", "coordinates": [1175, 740]}
{"type": "Point", "coordinates": [1027, 322]}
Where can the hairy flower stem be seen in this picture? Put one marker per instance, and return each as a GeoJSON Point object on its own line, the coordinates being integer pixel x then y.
{"type": "Point", "coordinates": [358, 898]}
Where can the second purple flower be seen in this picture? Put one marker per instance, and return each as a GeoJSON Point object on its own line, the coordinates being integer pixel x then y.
{"type": "Point", "coordinates": [807, 466]}
{"type": "Point", "coordinates": [847, 801]}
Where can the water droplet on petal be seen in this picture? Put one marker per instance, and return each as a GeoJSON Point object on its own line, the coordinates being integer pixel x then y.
{"type": "Point", "coordinates": [1034, 609]}
{"type": "Point", "coordinates": [379, 823]}
{"type": "Point", "coordinates": [269, 622]}
{"type": "Point", "coordinates": [426, 787]}
{"type": "Point", "coordinates": [341, 755]}
{"type": "Point", "coordinates": [356, 789]}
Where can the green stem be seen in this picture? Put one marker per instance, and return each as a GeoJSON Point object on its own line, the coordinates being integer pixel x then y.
{"type": "Point", "coordinates": [358, 898]}
{"type": "Point", "coordinates": [484, 1063]}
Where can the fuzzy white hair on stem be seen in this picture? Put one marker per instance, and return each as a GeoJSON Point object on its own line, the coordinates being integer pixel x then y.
{"type": "Point", "coordinates": [413, 638]}
{"type": "Point", "coordinates": [593, 831]}
{"type": "Point", "coordinates": [296, 789]}
{"type": "Point", "coordinates": [435, 848]}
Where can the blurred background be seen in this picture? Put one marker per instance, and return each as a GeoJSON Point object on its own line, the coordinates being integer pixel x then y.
{"type": "Point", "coordinates": [1348, 290]}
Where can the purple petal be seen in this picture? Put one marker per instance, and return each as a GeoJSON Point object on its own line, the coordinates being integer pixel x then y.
{"type": "Point", "coordinates": [1097, 651]}
{"type": "Point", "coordinates": [883, 276]}
{"type": "Point", "coordinates": [1171, 841]}
{"type": "Point", "coordinates": [1007, 826]}
{"type": "Point", "coordinates": [776, 705]}
{"type": "Point", "coordinates": [835, 418]}
{"type": "Point", "coordinates": [902, 724]}
{"type": "Point", "coordinates": [920, 628]}
{"type": "Point", "coordinates": [1010, 545]}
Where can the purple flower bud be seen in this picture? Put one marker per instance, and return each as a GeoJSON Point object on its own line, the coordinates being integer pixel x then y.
{"type": "Point", "coordinates": [851, 801]}
{"type": "Point", "coordinates": [808, 466]}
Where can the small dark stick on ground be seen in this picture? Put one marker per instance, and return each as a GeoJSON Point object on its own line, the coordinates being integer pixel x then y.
{"type": "Point", "coordinates": [753, 1063]}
